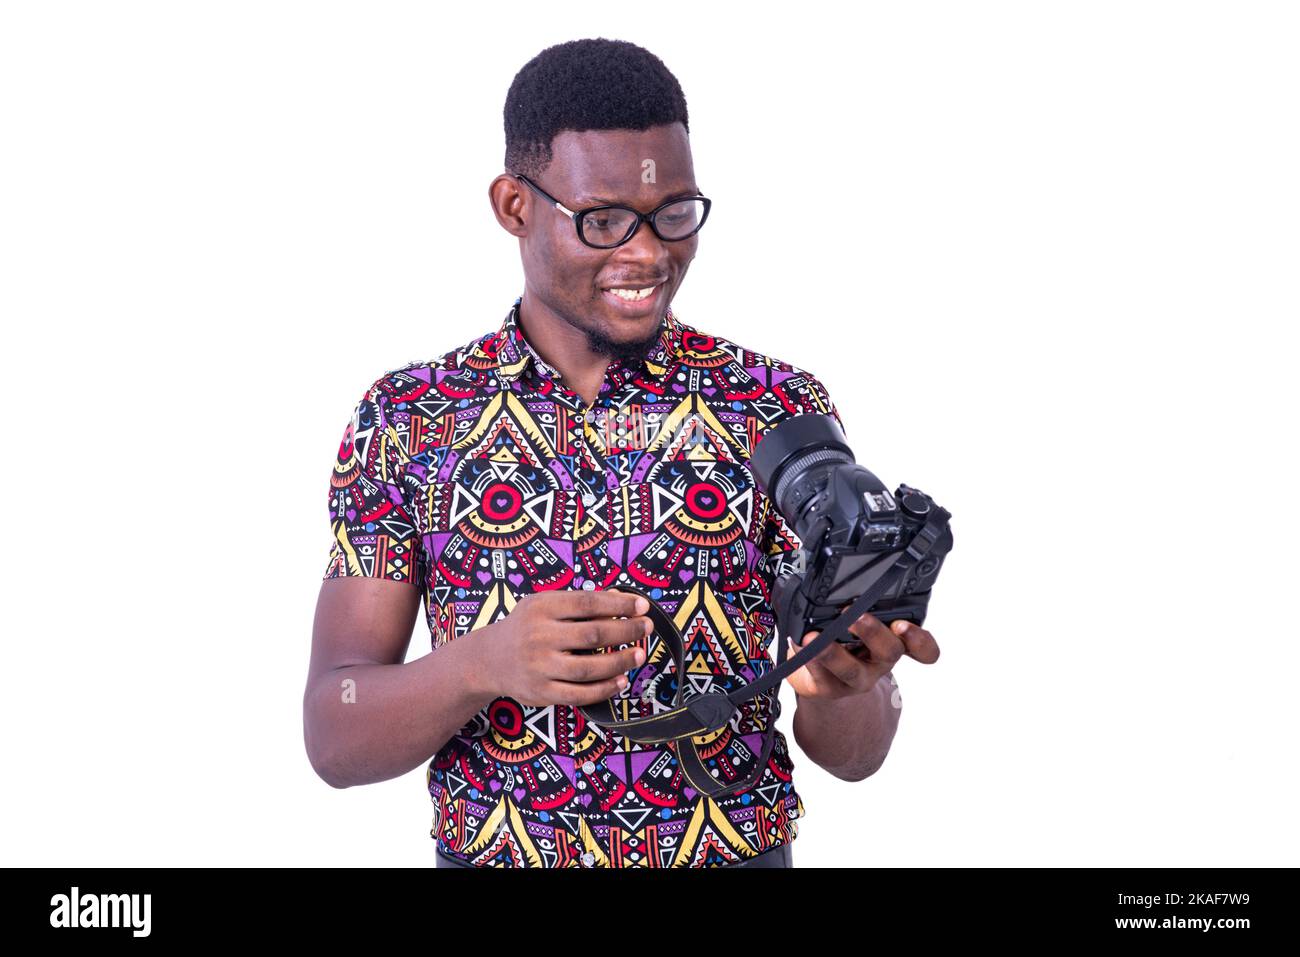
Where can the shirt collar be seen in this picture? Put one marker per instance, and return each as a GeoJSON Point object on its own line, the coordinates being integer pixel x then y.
{"type": "Point", "coordinates": [511, 354]}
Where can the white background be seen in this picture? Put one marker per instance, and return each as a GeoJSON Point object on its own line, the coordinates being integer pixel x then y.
{"type": "Point", "coordinates": [1042, 254]}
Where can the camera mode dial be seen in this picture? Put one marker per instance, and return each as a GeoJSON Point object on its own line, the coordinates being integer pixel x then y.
{"type": "Point", "coordinates": [915, 504]}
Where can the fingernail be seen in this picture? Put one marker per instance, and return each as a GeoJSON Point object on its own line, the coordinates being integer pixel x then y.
{"type": "Point", "coordinates": [622, 683]}
{"type": "Point", "coordinates": [642, 606]}
{"type": "Point", "coordinates": [639, 656]}
{"type": "Point", "coordinates": [649, 628]}
{"type": "Point", "coordinates": [901, 626]}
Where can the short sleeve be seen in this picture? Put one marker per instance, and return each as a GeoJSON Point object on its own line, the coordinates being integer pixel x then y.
{"type": "Point", "coordinates": [800, 394]}
{"type": "Point", "coordinates": [808, 394]}
{"type": "Point", "coordinates": [778, 542]}
{"type": "Point", "coordinates": [373, 523]}
{"type": "Point", "coordinates": [778, 554]}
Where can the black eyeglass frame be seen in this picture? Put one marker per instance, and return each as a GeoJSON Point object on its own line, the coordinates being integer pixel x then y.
{"type": "Point", "coordinates": [578, 215]}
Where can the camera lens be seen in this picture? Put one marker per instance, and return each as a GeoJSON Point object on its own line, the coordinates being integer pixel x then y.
{"type": "Point", "coordinates": [786, 453]}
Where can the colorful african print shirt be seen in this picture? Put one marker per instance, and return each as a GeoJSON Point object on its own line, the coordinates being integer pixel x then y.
{"type": "Point", "coordinates": [480, 477]}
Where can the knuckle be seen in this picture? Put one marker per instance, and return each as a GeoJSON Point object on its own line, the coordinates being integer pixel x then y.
{"type": "Point", "coordinates": [878, 647]}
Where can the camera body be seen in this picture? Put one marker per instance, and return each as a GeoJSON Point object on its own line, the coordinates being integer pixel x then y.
{"type": "Point", "coordinates": [851, 528]}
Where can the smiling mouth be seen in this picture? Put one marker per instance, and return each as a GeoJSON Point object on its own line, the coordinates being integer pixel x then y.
{"type": "Point", "coordinates": [633, 295]}
{"type": "Point", "coordinates": [635, 303]}
{"type": "Point", "coordinates": [634, 300]}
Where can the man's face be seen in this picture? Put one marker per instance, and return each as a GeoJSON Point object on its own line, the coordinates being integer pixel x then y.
{"type": "Point", "coordinates": [572, 280]}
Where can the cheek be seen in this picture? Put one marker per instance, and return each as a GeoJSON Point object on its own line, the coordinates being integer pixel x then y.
{"type": "Point", "coordinates": [578, 276]}
{"type": "Point", "coordinates": [566, 275]}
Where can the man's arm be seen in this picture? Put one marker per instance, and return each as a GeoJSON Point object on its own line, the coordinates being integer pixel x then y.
{"type": "Point", "coordinates": [367, 716]}
{"type": "Point", "coordinates": [848, 701]}
{"type": "Point", "coordinates": [849, 737]}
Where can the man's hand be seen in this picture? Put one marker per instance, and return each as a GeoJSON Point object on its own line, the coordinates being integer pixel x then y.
{"type": "Point", "coordinates": [535, 654]}
{"type": "Point", "coordinates": [840, 671]}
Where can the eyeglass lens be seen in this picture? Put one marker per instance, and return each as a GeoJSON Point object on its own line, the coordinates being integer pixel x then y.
{"type": "Point", "coordinates": [606, 227]}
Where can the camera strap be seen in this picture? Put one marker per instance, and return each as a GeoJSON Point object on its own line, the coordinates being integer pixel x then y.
{"type": "Point", "coordinates": [706, 714]}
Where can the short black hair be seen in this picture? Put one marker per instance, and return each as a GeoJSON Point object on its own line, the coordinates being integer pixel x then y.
{"type": "Point", "coordinates": [595, 84]}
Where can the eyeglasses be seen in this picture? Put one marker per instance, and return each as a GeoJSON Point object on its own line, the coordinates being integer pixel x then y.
{"type": "Point", "coordinates": [604, 227]}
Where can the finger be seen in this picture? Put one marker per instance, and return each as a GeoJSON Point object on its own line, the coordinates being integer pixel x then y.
{"type": "Point", "coordinates": [586, 668]}
{"type": "Point", "coordinates": [838, 661]}
{"type": "Point", "coordinates": [803, 683]}
{"type": "Point", "coordinates": [612, 603]}
{"type": "Point", "coordinates": [575, 694]}
{"type": "Point", "coordinates": [812, 679]}
{"type": "Point", "coordinates": [602, 633]}
{"type": "Point", "coordinates": [800, 679]}
{"type": "Point", "coordinates": [882, 646]}
{"type": "Point", "coordinates": [865, 624]}
{"type": "Point", "coordinates": [917, 642]}
{"type": "Point", "coordinates": [847, 668]}
{"type": "Point", "coordinates": [820, 656]}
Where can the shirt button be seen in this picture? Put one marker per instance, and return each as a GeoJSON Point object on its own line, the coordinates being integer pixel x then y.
{"type": "Point", "coordinates": [589, 767]}
{"type": "Point", "coordinates": [588, 499]}
{"type": "Point", "coordinates": [588, 859]}
{"type": "Point", "coordinates": [589, 585]}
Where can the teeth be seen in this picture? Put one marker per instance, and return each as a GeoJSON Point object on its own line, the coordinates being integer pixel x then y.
{"type": "Point", "coordinates": [633, 295]}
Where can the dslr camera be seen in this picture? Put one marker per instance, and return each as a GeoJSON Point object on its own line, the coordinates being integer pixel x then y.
{"type": "Point", "coordinates": [852, 530]}
{"type": "Point", "coordinates": [860, 546]}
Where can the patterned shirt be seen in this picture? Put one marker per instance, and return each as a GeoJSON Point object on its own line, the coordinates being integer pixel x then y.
{"type": "Point", "coordinates": [480, 477]}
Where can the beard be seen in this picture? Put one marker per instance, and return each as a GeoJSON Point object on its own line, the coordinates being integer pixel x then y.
{"type": "Point", "coordinates": [628, 352]}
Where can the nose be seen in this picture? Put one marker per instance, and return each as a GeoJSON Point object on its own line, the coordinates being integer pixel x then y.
{"type": "Point", "coordinates": [644, 246]}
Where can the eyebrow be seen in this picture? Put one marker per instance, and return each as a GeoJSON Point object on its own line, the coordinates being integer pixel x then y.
{"type": "Point", "coordinates": [602, 201]}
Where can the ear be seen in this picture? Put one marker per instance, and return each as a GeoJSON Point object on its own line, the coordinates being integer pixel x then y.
{"type": "Point", "coordinates": [511, 204]}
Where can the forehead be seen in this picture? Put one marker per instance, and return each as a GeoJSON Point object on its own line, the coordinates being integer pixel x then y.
{"type": "Point", "coordinates": [611, 163]}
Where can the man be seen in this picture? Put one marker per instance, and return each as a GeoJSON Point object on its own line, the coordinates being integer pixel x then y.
{"type": "Point", "coordinates": [593, 439]}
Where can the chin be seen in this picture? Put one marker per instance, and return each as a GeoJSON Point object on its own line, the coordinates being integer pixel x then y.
{"type": "Point", "coordinates": [614, 335]}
